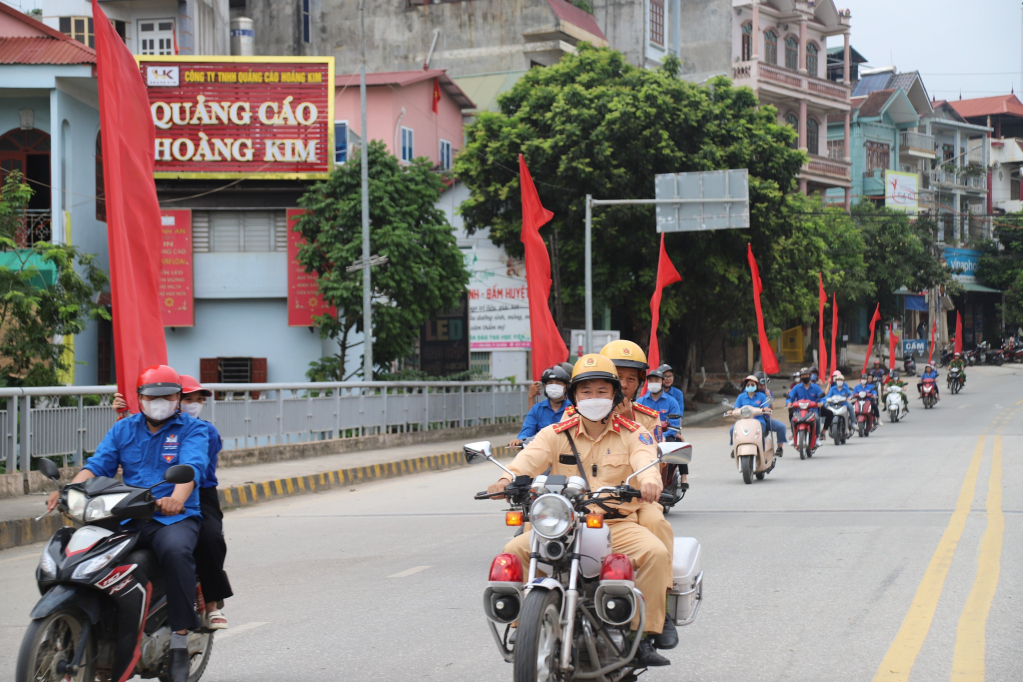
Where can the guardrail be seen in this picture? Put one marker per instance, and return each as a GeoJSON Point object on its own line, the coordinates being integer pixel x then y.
{"type": "Point", "coordinates": [70, 421]}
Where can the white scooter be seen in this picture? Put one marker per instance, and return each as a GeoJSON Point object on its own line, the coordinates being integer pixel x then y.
{"type": "Point", "coordinates": [841, 424]}
{"type": "Point", "coordinates": [752, 450]}
{"type": "Point", "coordinates": [893, 403]}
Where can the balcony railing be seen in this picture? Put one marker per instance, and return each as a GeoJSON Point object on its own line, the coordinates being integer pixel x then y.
{"type": "Point", "coordinates": [751, 72]}
{"type": "Point", "coordinates": [820, 165]}
{"type": "Point", "coordinates": [35, 227]}
{"type": "Point", "coordinates": [917, 141]}
{"type": "Point", "coordinates": [944, 178]}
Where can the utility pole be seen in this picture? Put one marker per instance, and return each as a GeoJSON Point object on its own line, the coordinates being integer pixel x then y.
{"type": "Point", "coordinates": [367, 291]}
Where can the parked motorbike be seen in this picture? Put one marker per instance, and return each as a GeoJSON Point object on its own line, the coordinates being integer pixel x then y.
{"type": "Point", "coordinates": [909, 366]}
{"type": "Point", "coordinates": [946, 355]}
{"type": "Point", "coordinates": [840, 421]}
{"type": "Point", "coordinates": [804, 425]}
{"type": "Point", "coordinates": [1013, 352]}
{"type": "Point", "coordinates": [893, 403]}
{"type": "Point", "coordinates": [103, 613]}
{"type": "Point", "coordinates": [955, 380]}
{"type": "Point", "coordinates": [752, 450]}
{"type": "Point", "coordinates": [576, 624]}
{"type": "Point", "coordinates": [929, 391]}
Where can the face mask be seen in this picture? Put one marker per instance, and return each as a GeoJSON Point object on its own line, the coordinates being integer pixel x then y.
{"type": "Point", "coordinates": [654, 387]}
{"type": "Point", "coordinates": [813, 377]}
{"type": "Point", "coordinates": [839, 382]}
{"type": "Point", "coordinates": [594, 409]}
{"type": "Point", "coordinates": [192, 409]}
{"type": "Point", "coordinates": [805, 380]}
{"type": "Point", "coordinates": [751, 389]}
{"type": "Point", "coordinates": [159, 409]}
{"type": "Point", "coordinates": [555, 391]}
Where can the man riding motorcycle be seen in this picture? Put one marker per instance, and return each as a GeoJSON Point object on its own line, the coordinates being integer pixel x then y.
{"type": "Point", "coordinates": [929, 373]}
{"type": "Point", "coordinates": [144, 446]}
{"type": "Point", "coordinates": [960, 364]}
{"type": "Point", "coordinates": [777, 426]}
{"type": "Point", "coordinates": [838, 388]}
{"type": "Point", "coordinates": [893, 378]}
{"type": "Point", "coordinates": [664, 404]}
{"type": "Point", "coordinates": [550, 410]}
{"type": "Point", "coordinates": [806, 390]}
{"type": "Point", "coordinates": [878, 373]}
{"type": "Point", "coordinates": [607, 448]}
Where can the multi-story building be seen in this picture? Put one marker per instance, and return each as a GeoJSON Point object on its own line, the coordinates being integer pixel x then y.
{"type": "Point", "coordinates": [1004, 115]}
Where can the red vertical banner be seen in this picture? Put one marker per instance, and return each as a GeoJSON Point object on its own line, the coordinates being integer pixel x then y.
{"type": "Point", "coordinates": [304, 299]}
{"type": "Point", "coordinates": [834, 336]}
{"type": "Point", "coordinates": [870, 342]}
{"type": "Point", "coordinates": [893, 342]}
{"type": "Point", "coordinates": [934, 328]}
{"type": "Point", "coordinates": [177, 293]}
{"type": "Point", "coordinates": [822, 351]}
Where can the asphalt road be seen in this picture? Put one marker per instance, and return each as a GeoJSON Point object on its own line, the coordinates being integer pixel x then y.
{"type": "Point", "coordinates": [854, 565]}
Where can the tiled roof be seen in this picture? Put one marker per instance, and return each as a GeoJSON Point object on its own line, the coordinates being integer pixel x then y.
{"type": "Point", "coordinates": [44, 51]}
{"type": "Point", "coordinates": [875, 102]}
{"type": "Point", "coordinates": [989, 106]}
{"type": "Point", "coordinates": [404, 78]}
{"type": "Point", "coordinates": [568, 12]}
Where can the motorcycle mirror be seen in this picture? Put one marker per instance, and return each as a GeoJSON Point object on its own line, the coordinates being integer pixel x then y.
{"type": "Point", "coordinates": [179, 474]}
{"type": "Point", "coordinates": [676, 452]}
{"type": "Point", "coordinates": [477, 451]}
{"type": "Point", "coordinates": [49, 469]}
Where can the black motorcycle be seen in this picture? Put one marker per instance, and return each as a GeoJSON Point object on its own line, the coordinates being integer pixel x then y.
{"type": "Point", "coordinates": [909, 366]}
{"type": "Point", "coordinates": [103, 614]}
{"type": "Point", "coordinates": [671, 478]}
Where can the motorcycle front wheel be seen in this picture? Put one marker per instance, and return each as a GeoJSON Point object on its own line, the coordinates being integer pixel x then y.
{"type": "Point", "coordinates": [538, 641]}
{"type": "Point", "coordinates": [198, 662]}
{"type": "Point", "coordinates": [747, 469]}
{"type": "Point", "coordinates": [51, 643]}
{"type": "Point", "coordinates": [862, 427]}
{"type": "Point", "coordinates": [801, 444]}
{"type": "Point", "coordinates": [893, 415]}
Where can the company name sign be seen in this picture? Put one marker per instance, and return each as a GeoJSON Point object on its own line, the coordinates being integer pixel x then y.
{"type": "Point", "coordinates": [247, 117]}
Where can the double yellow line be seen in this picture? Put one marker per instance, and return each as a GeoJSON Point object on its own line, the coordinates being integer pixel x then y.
{"type": "Point", "coordinates": [968, 659]}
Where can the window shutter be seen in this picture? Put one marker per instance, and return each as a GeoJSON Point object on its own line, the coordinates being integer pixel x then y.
{"type": "Point", "coordinates": [257, 230]}
{"type": "Point", "coordinates": [209, 371]}
{"type": "Point", "coordinates": [259, 370]}
{"type": "Point", "coordinates": [280, 231]}
{"type": "Point", "coordinates": [225, 231]}
{"type": "Point", "coordinates": [200, 232]}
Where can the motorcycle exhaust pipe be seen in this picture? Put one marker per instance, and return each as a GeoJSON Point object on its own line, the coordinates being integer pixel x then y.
{"type": "Point", "coordinates": [502, 603]}
{"type": "Point", "coordinates": [615, 603]}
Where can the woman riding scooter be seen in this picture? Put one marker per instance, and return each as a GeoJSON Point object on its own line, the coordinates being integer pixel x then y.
{"type": "Point", "coordinates": [778, 427]}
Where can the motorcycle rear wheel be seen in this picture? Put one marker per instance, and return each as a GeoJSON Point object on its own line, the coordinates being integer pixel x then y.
{"type": "Point", "coordinates": [862, 427]}
{"type": "Point", "coordinates": [51, 640]}
{"type": "Point", "coordinates": [198, 662]}
{"type": "Point", "coordinates": [538, 642]}
{"type": "Point", "coordinates": [747, 469]}
{"type": "Point", "coordinates": [893, 415]}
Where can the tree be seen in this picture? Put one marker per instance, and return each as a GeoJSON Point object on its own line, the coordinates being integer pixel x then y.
{"type": "Point", "coordinates": [1002, 268]}
{"type": "Point", "coordinates": [425, 272]}
{"type": "Point", "coordinates": [47, 292]}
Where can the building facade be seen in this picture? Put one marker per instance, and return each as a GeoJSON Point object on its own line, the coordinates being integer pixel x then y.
{"type": "Point", "coordinates": [1004, 115]}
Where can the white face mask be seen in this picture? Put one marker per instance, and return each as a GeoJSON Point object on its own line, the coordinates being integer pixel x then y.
{"type": "Point", "coordinates": [555, 391]}
{"type": "Point", "coordinates": [192, 409]}
{"type": "Point", "coordinates": [839, 382]}
{"type": "Point", "coordinates": [595, 409]}
{"type": "Point", "coordinates": [654, 387]}
{"type": "Point", "coordinates": [159, 409]}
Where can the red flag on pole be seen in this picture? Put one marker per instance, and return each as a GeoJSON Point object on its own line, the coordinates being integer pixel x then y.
{"type": "Point", "coordinates": [133, 214]}
{"type": "Point", "coordinates": [548, 346]}
{"type": "Point", "coordinates": [834, 334]}
{"type": "Point", "coordinates": [870, 342]}
{"type": "Point", "coordinates": [436, 94]}
{"type": "Point", "coordinates": [822, 351]}
{"type": "Point", "coordinates": [934, 328]}
{"type": "Point", "coordinates": [959, 333]}
{"type": "Point", "coordinates": [892, 341]}
{"type": "Point", "coordinates": [666, 275]}
{"type": "Point", "coordinates": [767, 359]}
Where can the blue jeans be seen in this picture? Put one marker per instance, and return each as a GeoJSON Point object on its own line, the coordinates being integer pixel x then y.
{"type": "Point", "coordinates": [779, 430]}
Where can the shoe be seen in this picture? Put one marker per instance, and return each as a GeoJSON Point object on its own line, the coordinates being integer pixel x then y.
{"type": "Point", "coordinates": [647, 656]}
{"type": "Point", "coordinates": [683, 486]}
{"type": "Point", "coordinates": [780, 452]}
{"type": "Point", "coordinates": [668, 639]}
{"type": "Point", "coordinates": [178, 664]}
{"type": "Point", "coordinates": [215, 620]}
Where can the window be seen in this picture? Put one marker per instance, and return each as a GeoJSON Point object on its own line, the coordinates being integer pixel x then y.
{"type": "Point", "coordinates": [340, 141]}
{"type": "Point", "coordinates": [79, 28]}
{"type": "Point", "coordinates": [657, 21]}
{"type": "Point", "coordinates": [836, 149]}
{"type": "Point", "coordinates": [791, 53]}
{"type": "Point", "coordinates": [232, 371]}
{"type": "Point", "coordinates": [101, 204]}
{"type": "Point", "coordinates": [156, 37]}
{"type": "Point", "coordinates": [878, 156]}
{"type": "Point", "coordinates": [479, 363]}
{"type": "Point", "coordinates": [812, 136]}
{"type": "Point", "coordinates": [747, 42]}
{"type": "Point", "coordinates": [445, 155]}
{"type": "Point", "coordinates": [239, 231]}
{"type": "Point", "coordinates": [793, 120]}
{"type": "Point", "coordinates": [948, 153]}
{"type": "Point", "coordinates": [306, 27]}
{"type": "Point", "coordinates": [407, 146]}
{"type": "Point", "coordinates": [811, 59]}
{"type": "Point", "coordinates": [771, 47]}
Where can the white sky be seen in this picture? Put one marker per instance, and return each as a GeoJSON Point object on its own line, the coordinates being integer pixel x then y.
{"type": "Point", "coordinates": [973, 46]}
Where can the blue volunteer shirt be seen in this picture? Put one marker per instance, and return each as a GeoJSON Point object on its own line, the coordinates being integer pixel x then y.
{"type": "Point", "coordinates": [216, 444]}
{"type": "Point", "coordinates": [144, 456]}
{"type": "Point", "coordinates": [758, 399]}
{"type": "Point", "coordinates": [666, 405]}
{"type": "Point", "coordinates": [869, 388]}
{"type": "Point", "coordinates": [679, 398]}
{"type": "Point", "coordinates": [541, 415]}
{"type": "Point", "coordinates": [799, 392]}
{"type": "Point", "coordinates": [836, 390]}
{"type": "Point", "coordinates": [933, 374]}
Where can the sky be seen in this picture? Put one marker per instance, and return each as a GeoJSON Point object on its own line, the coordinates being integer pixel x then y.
{"type": "Point", "coordinates": [972, 46]}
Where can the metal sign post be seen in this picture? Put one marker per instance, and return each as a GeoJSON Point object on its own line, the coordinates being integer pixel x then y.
{"type": "Point", "coordinates": [686, 202]}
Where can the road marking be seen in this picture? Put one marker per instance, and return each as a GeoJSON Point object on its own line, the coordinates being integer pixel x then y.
{"type": "Point", "coordinates": [902, 653]}
{"type": "Point", "coordinates": [408, 572]}
{"type": "Point", "coordinates": [968, 660]}
{"type": "Point", "coordinates": [231, 632]}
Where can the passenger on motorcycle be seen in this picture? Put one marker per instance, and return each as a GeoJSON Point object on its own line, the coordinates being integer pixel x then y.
{"type": "Point", "coordinates": [929, 373]}
{"type": "Point", "coordinates": [549, 410]}
{"type": "Point", "coordinates": [777, 426]}
{"type": "Point", "coordinates": [838, 388]}
{"type": "Point", "coordinates": [752, 396]}
{"type": "Point", "coordinates": [671, 389]}
{"type": "Point", "coordinates": [144, 446]}
{"type": "Point", "coordinates": [610, 448]}
{"type": "Point", "coordinates": [666, 406]}
{"type": "Point", "coordinates": [806, 390]}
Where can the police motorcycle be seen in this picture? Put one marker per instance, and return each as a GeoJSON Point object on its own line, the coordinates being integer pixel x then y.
{"type": "Point", "coordinates": [893, 403]}
{"type": "Point", "coordinates": [841, 422]}
{"type": "Point", "coordinates": [103, 613]}
{"type": "Point", "coordinates": [575, 624]}
{"type": "Point", "coordinates": [954, 379]}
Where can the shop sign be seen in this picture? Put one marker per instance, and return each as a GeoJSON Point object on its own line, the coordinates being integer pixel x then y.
{"type": "Point", "coordinates": [914, 347]}
{"type": "Point", "coordinates": [234, 117]}
{"type": "Point", "coordinates": [177, 300]}
{"type": "Point", "coordinates": [964, 262]}
{"type": "Point", "coordinates": [444, 341]}
{"type": "Point", "coordinates": [498, 299]}
{"type": "Point", "coordinates": [304, 299]}
{"type": "Point", "coordinates": [901, 191]}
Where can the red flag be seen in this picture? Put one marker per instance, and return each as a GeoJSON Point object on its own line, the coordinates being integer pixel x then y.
{"type": "Point", "coordinates": [892, 341]}
{"type": "Point", "coordinates": [934, 328]}
{"type": "Point", "coordinates": [666, 276]}
{"type": "Point", "coordinates": [822, 351]}
{"type": "Point", "coordinates": [959, 333]}
{"type": "Point", "coordinates": [436, 98]}
{"type": "Point", "coordinates": [767, 358]}
{"type": "Point", "coordinates": [870, 342]}
{"type": "Point", "coordinates": [548, 346]}
{"type": "Point", "coordinates": [133, 213]}
{"type": "Point", "coordinates": [834, 333]}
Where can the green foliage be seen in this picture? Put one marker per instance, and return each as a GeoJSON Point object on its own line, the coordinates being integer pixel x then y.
{"type": "Point", "coordinates": [1002, 268]}
{"type": "Point", "coordinates": [425, 272]}
{"type": "Point", "coordinates": [33, 313]}
{"type": "Point", "coordinates": [584, 5]}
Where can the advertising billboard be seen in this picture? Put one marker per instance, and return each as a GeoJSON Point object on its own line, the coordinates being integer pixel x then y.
{"type": "Point", "coordinates": [498, 299]}
{"type": "Point", "coordinates": [304, 299]}
{"type": "Point", "coordinates": [964, 262]}
{"type": "Point", "coordinates": [241, 117]}
{"type": "Point", "coordinates": [177, 292]}
{"type": "Point", "coordinates": [444, 341]}
{"type": "Point", "coordinates": [901, 191]}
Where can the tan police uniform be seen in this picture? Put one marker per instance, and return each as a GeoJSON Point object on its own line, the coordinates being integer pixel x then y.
{"type": "Point", "coordinates": [622, 448]}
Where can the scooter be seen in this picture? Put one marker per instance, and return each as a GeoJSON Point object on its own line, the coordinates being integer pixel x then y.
{"type": "Point", "coordinates": [804, 417]}
{"type": "Point", "coordinates": [671, 476]}
{"type": "Point", "coordinates": [863, 406]}
{"type": "Point", "coordinates": [909, 366]}
{"type": "Point", "coordinates": [929, 392]}
{"type": "Point", "coordinates": [752, 450]}
{"type": "Point", "coordinates": [955, 380]}
{"type": "Point", "coordinates": [893, 403]}
{"type": "Point", "coordinates": [840, 429]}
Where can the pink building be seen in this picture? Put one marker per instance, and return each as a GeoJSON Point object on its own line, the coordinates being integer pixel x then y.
{"type": "Point", "coordinates": [400, 111]}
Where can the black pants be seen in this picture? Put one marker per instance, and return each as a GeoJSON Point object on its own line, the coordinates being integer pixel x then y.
{"type": "Point", "coordinates": [211, 549]}
{"type": "Point", "coordinates": [828, 416]}
{"type": "Point", "coordinates": [173, 546]}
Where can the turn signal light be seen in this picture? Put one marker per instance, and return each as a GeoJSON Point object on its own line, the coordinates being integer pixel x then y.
{"type": "Point", "coordinates": [507, 568]}
{"type": "Point", "coordinates": [513, 518]}
{"type": "Point", "coordinates": [615, 567]}
{"type": "Point", "coordinates": [594, 520]}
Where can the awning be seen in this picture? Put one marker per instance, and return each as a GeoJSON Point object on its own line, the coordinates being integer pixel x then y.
{"type": "Point", "coordinates": [28, 259]}
{"type": "Point", "coordinates": [979, 288]}
{"type": "Point", "coordinates": [916, 303]}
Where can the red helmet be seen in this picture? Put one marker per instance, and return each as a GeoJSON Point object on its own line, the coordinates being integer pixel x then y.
{"type": "Point", "coordinates": [190, 385]}
{"type": "Point", "coordinates": [158, 380]}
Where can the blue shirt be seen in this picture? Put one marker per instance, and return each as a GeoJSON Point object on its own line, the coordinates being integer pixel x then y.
{"type": "Point", "coordinates": [842, 390]}
{"type": "Point", "coordinates": [933, 374]}
{"type": "Point", "coordinates": [216, 444]}
{"type": "Point", "coordinates": [758, 399]}
{"type": "Point", "coordinates": [799, 392]}
{"type": "Point", "coordinates": [666, 405]}
{"type": "Point", "coordinates": [145, 456]}
{"type": "Point", "coordinates": [539, 416]}
{"type": "Point", "coordinates": [679, 398]}
{"type": "Point", "coordinates": [869, 388]}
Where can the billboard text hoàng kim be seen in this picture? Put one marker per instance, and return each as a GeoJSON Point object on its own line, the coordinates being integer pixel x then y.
{"type": "Point", "coordinates": [233, 117]}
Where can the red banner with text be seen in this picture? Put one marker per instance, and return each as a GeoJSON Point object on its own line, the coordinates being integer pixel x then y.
{"type": "Point", "coordinates": [304, 299]}
{"type": "Point", "coordinates": [177, 293]}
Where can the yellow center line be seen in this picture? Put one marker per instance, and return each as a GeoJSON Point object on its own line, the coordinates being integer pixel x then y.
{"type": "Point", "coordinates": [968, 660]}
{"type": "Point", "coordinates": [906, 646]}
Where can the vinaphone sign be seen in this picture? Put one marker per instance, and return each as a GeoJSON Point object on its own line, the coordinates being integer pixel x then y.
{"type": "Point", "coordinates": [241, 117]}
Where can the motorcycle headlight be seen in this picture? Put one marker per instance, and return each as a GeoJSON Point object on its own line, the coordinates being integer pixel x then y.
{"type": "Point", "coordinates": [47, 566]}
{"type": "Point", "coordinates": [76, 501]}
{"type": "Point", "coordinates": [101, 507]}
{"type": "Point", "coordinates": [551, 516]}
{"type": "Point", "coordinates": [94, 564]}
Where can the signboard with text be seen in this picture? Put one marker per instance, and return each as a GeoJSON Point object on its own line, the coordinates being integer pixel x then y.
{"type": "Point", "coordinates": [444, 341]}
{"type": "Point", "coordinates": [901, 191]}
{"type": "Point", "coordinates": [916, 347]}
{"type": "Point", "coordinates": [177, 301]}
{"type": "Point", "coordinates": [234, 117]}
{"type": "Point", "coordinates": [304, 299]}
{"type": "Point", "coordinates": [964, 262]}
{"type": "Point", "coordinates": [498, 299]}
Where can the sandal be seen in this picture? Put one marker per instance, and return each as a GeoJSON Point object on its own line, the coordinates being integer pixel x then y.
{"type": "Point", "coordinates": [216, 620]}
